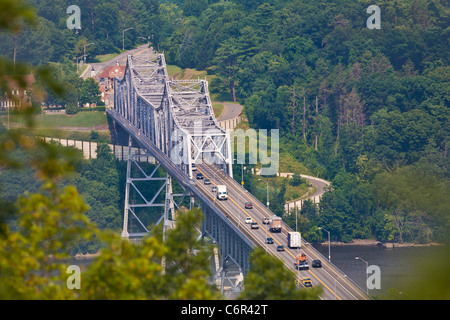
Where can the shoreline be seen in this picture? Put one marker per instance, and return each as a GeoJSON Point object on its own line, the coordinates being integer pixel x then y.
{"type": "Point", "coordinates": [87, 256]}
{"type": "Point", "coordinates": [376, 243]}
{"type": "Point", "coordinates": [357, 242]}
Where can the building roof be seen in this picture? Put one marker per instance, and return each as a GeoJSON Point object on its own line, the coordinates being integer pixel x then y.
{"type": "Point", "coordinates": [112, 71]}
{"type": "Point", "coordinates": [18, 82]}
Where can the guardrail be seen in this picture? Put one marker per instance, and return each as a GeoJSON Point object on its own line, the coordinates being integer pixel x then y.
{"type": "Point", "coordinates": [287, 229]}
{"type": "Point", "coordinates": [175, 172]}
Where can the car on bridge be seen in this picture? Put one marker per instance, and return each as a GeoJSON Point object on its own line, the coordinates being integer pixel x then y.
{"type": "Point", "coordinates": [207, 181]}
{"type": "Point", "coordinates": [254, 225]}
{"type": "Point", "coordinates": [269, 241]}
{"type": "Point", "coordinates": [248, 220]}
{"type": "Point", "coordinates": [280, 248]}
{"type": "Point", "coordinates": [265, 220]}
{"type": "Point", "coordinates": [214, 189]}
{"type": "Point", "coordinates": [306, 281]}
{"type": "Point", "coordinates": [302, 266]}
{"type": "Point", "coordinates": [199, 176]}
{"type": "Point", "coordinates": [301, 262]}
{"type": "Point", "coordinates": [316, 264]}
{"type": "Point", "coordinates": [248, 205]}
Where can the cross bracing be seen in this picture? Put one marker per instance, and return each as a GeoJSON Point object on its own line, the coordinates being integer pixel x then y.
{"type": "Point", "coordinates": [173, 121]}
{"type": "Point", "coordinates": [176, 115]}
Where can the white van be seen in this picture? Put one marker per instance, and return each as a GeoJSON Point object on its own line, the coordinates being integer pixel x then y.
{"type": "Point", "coordinates": [222, 192]}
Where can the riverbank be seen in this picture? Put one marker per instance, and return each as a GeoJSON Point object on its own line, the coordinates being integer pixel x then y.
{"type": "Point", "coordinates": [369, 242]}
{"type": "Point", "coordinates": [87, 256]}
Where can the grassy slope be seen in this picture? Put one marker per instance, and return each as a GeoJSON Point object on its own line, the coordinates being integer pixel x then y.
{"type": "Point", "coordinates": [81, 119]}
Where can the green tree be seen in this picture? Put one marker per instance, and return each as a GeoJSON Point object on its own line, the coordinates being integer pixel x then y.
{"type": "Point", "coordinates": [268, 279]}
{"type": "Point", "coordinates": [227, 59]}
{"type": "Point", "coordinates": [90, 92]}
{"type": "Point", "coordinates": [296, 180]}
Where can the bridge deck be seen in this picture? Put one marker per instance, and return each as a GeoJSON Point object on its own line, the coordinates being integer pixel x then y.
{"type": "Point", "coordinates": [234, 207]}
{"type": "Point", "coordinates": [335, 284]}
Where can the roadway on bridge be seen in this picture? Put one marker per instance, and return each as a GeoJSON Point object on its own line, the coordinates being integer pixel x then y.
{"type": "Point", "coordinates": [335, 284]}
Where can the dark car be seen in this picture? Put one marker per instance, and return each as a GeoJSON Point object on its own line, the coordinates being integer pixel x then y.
{"type": "Point", "coordinates": [199, 176]}
{"type": "Point", "coordinates": [254, 225]}
{"type": "Point", "coordinates": [207, 181]}
{"type": "Point", "coordinates": [269, 241]}
{"type": "Point", "coordinates": [280, 248]}
{"type": "Point", "coordinates": [248, 205]}
{"type": "Point", "coordinates": [316, 264]}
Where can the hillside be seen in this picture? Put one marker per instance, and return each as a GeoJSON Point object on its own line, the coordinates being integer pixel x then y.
{"type": "Point", "coordinates": [367, 109]}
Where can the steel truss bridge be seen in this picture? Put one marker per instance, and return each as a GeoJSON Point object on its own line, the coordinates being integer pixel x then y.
{"type": "Point", "coordinates": [173, 121]}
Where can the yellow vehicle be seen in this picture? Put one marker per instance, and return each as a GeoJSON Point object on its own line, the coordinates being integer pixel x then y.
{"type": "Point", "coordinates": [306, 281]}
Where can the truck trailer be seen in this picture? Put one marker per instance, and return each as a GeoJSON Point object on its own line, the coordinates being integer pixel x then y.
{"type": "Point", "coordinates": [275, 224]}
{"type": "Point", "coordinates": [294, 240]}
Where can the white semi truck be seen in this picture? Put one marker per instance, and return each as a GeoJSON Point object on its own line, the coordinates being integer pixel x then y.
{"type": "Point", "coordinates": [294, 240]}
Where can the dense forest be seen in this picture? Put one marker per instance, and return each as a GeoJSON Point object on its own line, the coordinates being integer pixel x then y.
{"type": "Point", "coordinates": [367, 109]}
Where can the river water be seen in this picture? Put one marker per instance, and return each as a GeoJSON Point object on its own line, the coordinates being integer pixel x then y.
{"type": "Point", "coordinates": [398, 266]}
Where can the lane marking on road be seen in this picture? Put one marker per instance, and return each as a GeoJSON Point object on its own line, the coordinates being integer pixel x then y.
{"type": "Point", "coordinates": [125, 59]}
{"type": "Point", "coordinates": [288, 251]}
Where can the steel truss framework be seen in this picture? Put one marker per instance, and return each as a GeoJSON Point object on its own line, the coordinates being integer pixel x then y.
{"type": "Point", "coordinates": [232, 244]}
{"type": "Point", "coordinates": [144, 201]}
{"type": "Point", "coordinates": [176, 117]}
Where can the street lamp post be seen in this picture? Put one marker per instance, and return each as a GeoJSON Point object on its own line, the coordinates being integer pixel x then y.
{"type": "Point", "coordinates": [78, 58]}
{"type": "Point", "coordinates": [84, 51]}
{"type": "Point", "coordinates": [295, 208]}
{"type": "Point", "coordinates": [367, 277]}
{"type": "Point", "coordinates": [242, 175]}
{"type": "Point", "coordinates": [242, 172]}
{"type": "Point", "coordinates": [123, 37]}
{"type": "Point", "coordinates": [267, 192]}
{"type": "Point", "coordinates": [329, 248]}
{"type": "Point", "coordinates": [335, 286]}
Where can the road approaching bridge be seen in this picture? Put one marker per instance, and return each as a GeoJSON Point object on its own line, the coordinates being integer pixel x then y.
{"type": "Point", "coordinates": [162, 117]}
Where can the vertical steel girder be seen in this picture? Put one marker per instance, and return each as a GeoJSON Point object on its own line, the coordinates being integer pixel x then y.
{"type": "Point", "coordinates": [145, 202]}
{"type": "Point", "coordinates": [177, 117]}
{"type": "Point", "coordinates": [230, 243]}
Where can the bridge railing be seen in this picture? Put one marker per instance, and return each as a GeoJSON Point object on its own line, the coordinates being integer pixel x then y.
{"type": "Point", "coordinates": [287, 228]}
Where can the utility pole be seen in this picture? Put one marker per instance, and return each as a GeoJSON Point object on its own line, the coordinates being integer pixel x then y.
{"type": "Point", "coordinates": [367, 276]}
{"type": "Point", "coordinates": [267, 183]}
{"type": "Point", "coordinates": [293, 112]}
{"type": "Point", "coordinates": [329, 248]}
{"type": "Point", "coordinates": [84, 54]}
{"type": "Point", "coordinates": [78, 58]}
{"type": "Point", "coordinates": [15, 52]}
{"type": "Point", "coordinates": [242, 172]}
{"type": "Point", "coordinates": [304, 115]}
{"type": "Point", "coordinates": [123, 37]}
{"type": "Point", "coordinates": [317, 119]}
